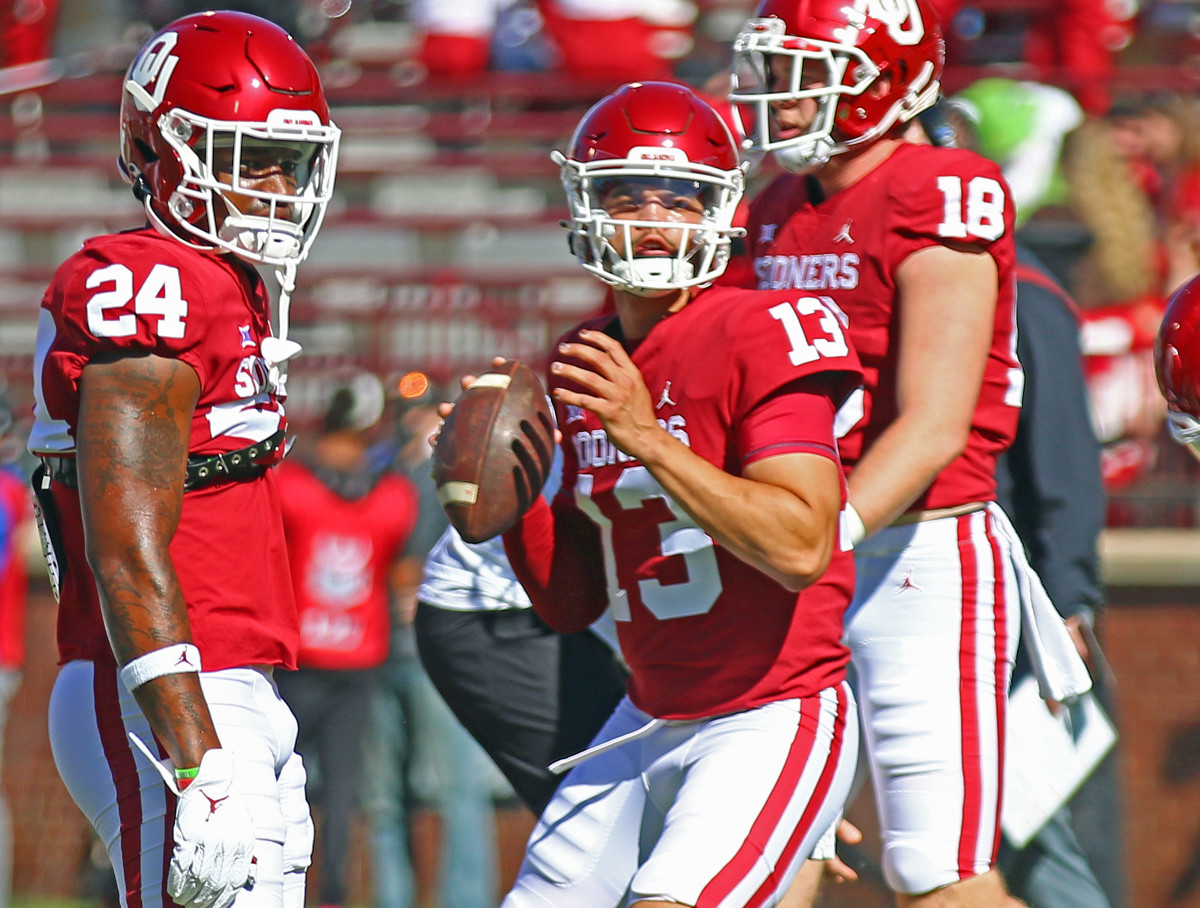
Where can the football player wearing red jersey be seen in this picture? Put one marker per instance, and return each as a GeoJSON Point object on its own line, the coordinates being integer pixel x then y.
{"type": "Point", "coordinates": [700, 504]}
{"type": "Point", "coordinates": [1177, 364]}
{"type": "Point", "coordinates": [913, 244]}
{"type": "Point", "coordinates": [158, 414]}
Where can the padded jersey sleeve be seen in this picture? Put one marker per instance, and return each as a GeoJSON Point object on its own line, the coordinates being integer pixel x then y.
{"type": "Point", "coordinates": [780, 338]}
{"type": "Point", "coordinates": [796, 420]}
{"type": "Point", "coordinates": [948, 195]}
{"type": "Point", "coordinates": [131, 294]}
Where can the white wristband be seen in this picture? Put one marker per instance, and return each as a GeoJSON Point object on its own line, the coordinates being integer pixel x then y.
{"type": "Point", "coordinates": [855, 527]}
{"type": "Point", "coordinates": [170, 660]}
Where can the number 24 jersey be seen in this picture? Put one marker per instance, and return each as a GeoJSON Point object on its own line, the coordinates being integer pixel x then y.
{"type": "Point", "coordinates": [139, 292]}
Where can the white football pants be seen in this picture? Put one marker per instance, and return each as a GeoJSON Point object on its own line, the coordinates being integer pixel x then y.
{"type": "Point", "coordinates": [125, 800]}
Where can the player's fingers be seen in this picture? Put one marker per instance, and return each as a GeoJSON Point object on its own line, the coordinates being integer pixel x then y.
{"type": "Point", "coordinates": [595, 357]}
{"type": "Point", "coordinates": [840, 870]}
{"type": "Point", "coordinates": [597, 405]}
{"type": "Point", "coordinates": [609, 345]}
{"type": "Point", "coordinates": [588, 378]}
{"type": "Point", "coordinates": [849, 833]}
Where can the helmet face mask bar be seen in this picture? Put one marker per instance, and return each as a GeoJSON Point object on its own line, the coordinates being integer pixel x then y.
{"type": "Point", "coordinates": [652, 144]}
{"type": "Point", "coordinates": [813, 71]}
{"type": "Point", "coordinates": [283, 225]}
{"type": "Point", "coordinates": [704, 246]}
{"type": "Point", "coordinates": [229, 88]}
{"type": "Point", "coordinates": [868, 65]}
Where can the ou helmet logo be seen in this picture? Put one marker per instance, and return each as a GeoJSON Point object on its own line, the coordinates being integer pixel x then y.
{"type": "Point", "coordinates": [155, 64]}
{"type": "Point", "coordinates": [902, 17]}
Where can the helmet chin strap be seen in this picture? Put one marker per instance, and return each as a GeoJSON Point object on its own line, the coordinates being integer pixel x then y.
{"type": "Point", "coordinates": [802, 159]}
{"type": "Point", "coordinates": [278, 350]}
{"type": "Point", "coordinates": [653, 271]}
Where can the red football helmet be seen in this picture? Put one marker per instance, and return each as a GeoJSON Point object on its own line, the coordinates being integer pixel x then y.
{"type": "Point", "coordinates": [869, 63]}
{"type": "Point", "coordinates": [1177, 363]}
{"type": "Point", "coordinates": [660, 135]}
{"type": "Point", "coordinates": [239, 84]}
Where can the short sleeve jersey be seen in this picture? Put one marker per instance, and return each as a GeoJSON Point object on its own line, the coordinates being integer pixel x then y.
{"type": "Point", "coordinates": [703, 632]}
{"type": "Point", "coordinates": [342, 551]}
{"type": "Point", "coordinates": [845, 250]}
{"type": "Point", "coordinates": [141, 292]}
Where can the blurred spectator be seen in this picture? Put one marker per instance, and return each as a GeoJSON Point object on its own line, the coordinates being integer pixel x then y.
{"type": "Point", "coordinates": [1079, 40]}
{"type": "Point", "coordinates": [455, 39]}
{"type": "Point", "coordinates": [1159, 135]}
{"type": "Point", "coordinates": [418, 753]}
{"type": "Point", "coordinates": [1121, 283]}
{"type": "Point", "coordinates": [26, 30]}
{"type": "Point", "coordinates": [1072, 43]}
{"type": "Point", "coordinates": [602, 39]}
{"type": "Point", "coordinates": [346, 522]}
{"type": "Point", "coordinates": [16, 523]}
{"type": "Point", "coordinates": [619, 40]}
{"type": "Point", "coordinates": [1021, 126]}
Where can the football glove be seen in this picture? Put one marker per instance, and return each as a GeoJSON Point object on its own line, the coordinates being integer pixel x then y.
{"type": "Point", "coordinates": [214, 838]}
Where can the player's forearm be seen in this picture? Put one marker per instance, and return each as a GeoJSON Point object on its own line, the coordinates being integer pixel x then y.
{"type": "Point", "coordinates": [132, 445]}
{"type": "Point", "coordinates": [768, 526]}
{"type": "Point", "coordinates": [901, 464]}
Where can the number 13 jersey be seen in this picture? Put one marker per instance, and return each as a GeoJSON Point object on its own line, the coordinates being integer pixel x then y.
{"type": "Point", "coordinates": [846, 250]}
{"type": "Point", "coordinates": [703, 632]}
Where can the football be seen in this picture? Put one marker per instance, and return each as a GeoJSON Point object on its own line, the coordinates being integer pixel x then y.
{"type": "Point", "coordinates": [494, 451]}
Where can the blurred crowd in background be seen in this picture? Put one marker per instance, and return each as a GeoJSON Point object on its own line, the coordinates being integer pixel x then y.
{"type": "Point", "coordinates": [1089, 106]}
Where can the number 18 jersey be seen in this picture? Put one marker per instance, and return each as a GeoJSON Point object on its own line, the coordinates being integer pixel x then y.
{"type": "Point", "coordinates": [846, 250]}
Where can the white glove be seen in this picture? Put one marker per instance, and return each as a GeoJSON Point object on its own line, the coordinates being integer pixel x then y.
{"type": "Point", "coordinates": [214, 838]}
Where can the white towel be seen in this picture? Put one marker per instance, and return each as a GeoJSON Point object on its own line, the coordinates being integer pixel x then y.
{"type": "Point", "coordinates": [1061, 673]}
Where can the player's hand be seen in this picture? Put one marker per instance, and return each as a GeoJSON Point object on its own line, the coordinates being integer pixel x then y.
{"type": "Point", "coordinates": [835, 867]}
{"type": "Point", "coordinates": [214, 838]}
{"type": "Point", "coordinates": [613, 389]}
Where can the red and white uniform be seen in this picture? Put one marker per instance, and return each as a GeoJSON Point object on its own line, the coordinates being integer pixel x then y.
{"type": "Point", "coordinates": [141, 292]}
{"type": "Point", "coordinates": [727, 666]}
{"type": "Point", "coordinates": [934, 624]}
{"type": "Point", "coordinates": [846, 250]}
{"type": "Point", "coordinates": [342, 551]}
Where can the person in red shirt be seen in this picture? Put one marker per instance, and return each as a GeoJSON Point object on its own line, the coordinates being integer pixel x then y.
{"type": "Point", "coordinates": [159, 388]}
{"type": "Point", "coordinates": [346, 521]}
{"type": "Point", "coordinates": [16, 523]}
{"type": "Point", "coordinates": [913, 245]}
{"type": "Point", "coordinates": [700, 506]}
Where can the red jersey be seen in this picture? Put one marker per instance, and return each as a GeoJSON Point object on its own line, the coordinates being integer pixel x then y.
{"type": "Point", "coordinates": [140, 291]}
{"type": "Point", "coordinates": [703, 632]}
{"type": "Point", "coordinates": [342, 551]}
{"type": "Point", "coordinates": [15, 511]}
{"type": "Point", "coordinates": [846, 249]}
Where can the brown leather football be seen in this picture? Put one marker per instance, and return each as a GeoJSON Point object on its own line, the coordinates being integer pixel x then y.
{"type": "Point", "coordinates": [494, 451]}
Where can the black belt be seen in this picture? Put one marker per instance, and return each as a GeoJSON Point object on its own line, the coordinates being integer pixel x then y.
{"type": "Point", "coordinates": [241, 465]}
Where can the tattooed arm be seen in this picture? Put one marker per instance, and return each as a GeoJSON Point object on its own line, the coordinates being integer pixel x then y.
{"type": "Point", "coordinates": [135, 417]}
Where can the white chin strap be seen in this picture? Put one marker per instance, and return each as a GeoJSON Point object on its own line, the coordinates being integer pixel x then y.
{"type": "Point", "coordinates": [272, 239]}
{"type": "Point", "coordinates": [278, 350]}
{"type": "Point", "coordinates": [651, 275]}
{"type": "Point", "coordinates": [804, 157]}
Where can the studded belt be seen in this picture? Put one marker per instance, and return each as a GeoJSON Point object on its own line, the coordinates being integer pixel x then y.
{"type": "Point", "coordinates": [241, 465]}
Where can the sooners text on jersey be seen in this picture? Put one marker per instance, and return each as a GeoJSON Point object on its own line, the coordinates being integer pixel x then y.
{"type": "Point", "coordinates": [846, 250]}
{"type": "Point", "coordinates": [141, 292]}
{"type": "Point", "coordinates": [703, 632]}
